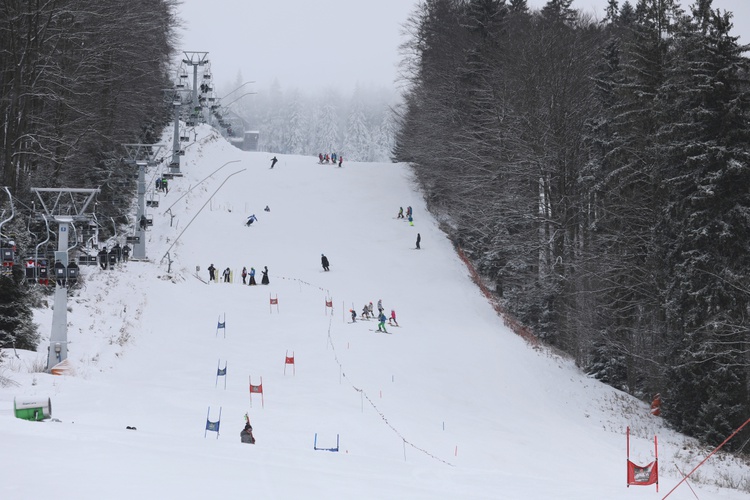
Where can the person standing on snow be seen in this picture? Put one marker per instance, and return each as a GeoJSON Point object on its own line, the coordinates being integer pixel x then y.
{"type": "Point", "coordinates": [341, 159]}
{"type": "Point", "coordinates": [211, 273]}
{"type": "Point", "coordinates": [265, 280]}
{"type": "Point", "coordinates": [419, 239]}
{"type": "Point", "coordinates": [380, 307]}
{"type": "Point", "coordinates": [381, 322]}
{"type": "Point", "coordinates": [354, 315]}
{"type": "Point", "coordinates": [227, 273]}
{"type": "Point", "coordinates": [392, 320]}
{"type": "Point", "coordinates": [369, 309]}
{"type": "Point", "coordinates": [324, 261]}
{"type": "Point", "coordinates": [252, 277]}
{"type": "Point", "coordinates": [244, 275]}
{"type": "Point", "coordinates": [273, 161]}
{"type": "Point", "coordinates": [400, 213]}
{"type": "Point", "coordinates": [246, 435]}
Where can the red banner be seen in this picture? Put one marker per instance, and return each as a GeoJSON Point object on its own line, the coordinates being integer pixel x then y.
{"type": "Point", "coordinates": [643, 475]}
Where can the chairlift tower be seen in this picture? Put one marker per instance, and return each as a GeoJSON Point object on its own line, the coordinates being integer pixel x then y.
{"type": "Point", "coordinates": [195, 59]}
{"type": "Point", "coordinates": [174, 96]}
{"type": "Point", "coordinates": [65, 206]}
{"type": "Point", "coordinates": [141, 155]}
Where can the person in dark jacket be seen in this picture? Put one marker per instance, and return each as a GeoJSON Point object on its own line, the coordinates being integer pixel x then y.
{"type": "Point", "coordinates": [273, 161]}
{"type": "Point", "coordinates": [264, 280]}
{"type": "Point", "coordinates": [252, 277]}
{"type": "Point", "coordinates": [211, 273]}
{"type": "Point", "coordinates": [324, 261]}
{"type": "Point", "coordinates": [103, 258]}
{"type": "Point", "coordinates": [125, 253]}
{"type": "Point", "coordinates": [419, 239]}
{"type": "Point", "coordinates": [246, 435]}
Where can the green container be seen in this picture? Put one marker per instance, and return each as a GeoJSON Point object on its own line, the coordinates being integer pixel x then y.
{"type": "Point", "coordinates": [32, 408]}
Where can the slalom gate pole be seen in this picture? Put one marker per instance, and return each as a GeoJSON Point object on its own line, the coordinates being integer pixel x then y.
{"type": "Point", "coordinates": [627, 440]}
{"type": "Point", "coordinates": [709, 456]}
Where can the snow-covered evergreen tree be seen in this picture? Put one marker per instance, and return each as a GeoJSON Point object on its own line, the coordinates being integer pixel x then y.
{"type": "Point", "coordinates": [327, 125]}
{"type": "Point", "coordinates": [358, 141]}
{"type": "Point", "coordinates": [296, 130]}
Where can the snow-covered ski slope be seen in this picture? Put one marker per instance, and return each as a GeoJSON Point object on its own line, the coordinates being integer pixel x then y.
{"type": "Point", "coordinates": [452, 405]}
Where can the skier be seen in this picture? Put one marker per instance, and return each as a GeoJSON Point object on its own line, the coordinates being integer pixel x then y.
{"type": "Point", "coordinates": [264, 280]}
{"type": "Point", "coordinates": [246, 435]}
{"type": "Point", "coordinates": [365, 312]}
{"type": "Point", "coordinates": [252, 277]}
{"type": "Point", "coordinates": [125, 252]}
{"type": "Point", "coordinates": [411, 220]}
{"type": "Point", "coordinates": [103, 258]}
{"type": "Point", "coordinates": [341, 159]}
{"type": "Point", "coordinates": [392, 320]}
{"type": "Point", "coordinates": [369, 309]}
{"type": "Point", "coordinates": [380, 307]}
{"type": "Point", "coordinates": [419, 239]}
{"type": "Point", "coordinates": [400, 213]}
{"type": "Point", "coordinates": [244, 275]}
{"type": "Point", "coordinates": [408, 211]}
{"type": "Point", "coordinates": [227, 273]}
{"type": "Point", "coordinates": [118, 251]}
{"type": "Point", "coordinates": [266, 209]}
{"type": "Point", "coordinates": [250, 220]}
{"type": "Point", "coordinates": [324, 261]}
{"type": "Point", "coordinates": [320, 158]}
{"type": "Point", "coordinates": [354, 315]}
{"type": "Point", "coordinates": [158, 184]}
{"type": "Point", "coordinates": [165, 186]}
{"type": "Point", "coordinates": [273, 161]}
{"type": "Point", "coordinates": [381, 322]}
{"type": "Point", "coordinates": [211, 273]}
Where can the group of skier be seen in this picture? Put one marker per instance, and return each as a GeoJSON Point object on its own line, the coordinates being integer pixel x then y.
{"type": "Point", "coordinates": [227, 275]}
{"type": "Point", "coordinates": [324, 158]}
{"type": "Point", "coordinates": [162, 185]}
{"type": "Point", "coordinates": [367, 313]}
{"type": "Point", "coordinates": [409, 215]}
{"type": "Point", "coordinates": [113, 256]}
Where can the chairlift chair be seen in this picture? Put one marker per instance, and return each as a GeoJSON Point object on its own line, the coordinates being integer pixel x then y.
{"type": "Point", "coordinates": [153, 200]}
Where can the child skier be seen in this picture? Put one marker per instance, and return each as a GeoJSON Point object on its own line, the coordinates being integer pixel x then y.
{"type": "Point", "coordinates": [392, 320]}
{"type": "Point", "coordinates": [244, 275]}
{"type": "Point", "coordinates": [354, 315]}
{"type": "Point", "coordinates": [252, 277]}
{"type": "Point", "coordinates": [381, 323]}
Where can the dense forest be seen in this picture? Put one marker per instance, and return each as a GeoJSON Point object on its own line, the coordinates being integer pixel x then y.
{"type": "Point", "coordinates": [78, 78]}
{"type": "Point", "coordinates": [597, 175]}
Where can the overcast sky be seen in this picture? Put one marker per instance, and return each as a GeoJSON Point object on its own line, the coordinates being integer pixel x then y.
{"type": "Point", "coordinates": [316, 44]}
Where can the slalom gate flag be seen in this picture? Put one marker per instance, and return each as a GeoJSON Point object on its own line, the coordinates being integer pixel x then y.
{"type": "Point", "coordinates": [643, 475]}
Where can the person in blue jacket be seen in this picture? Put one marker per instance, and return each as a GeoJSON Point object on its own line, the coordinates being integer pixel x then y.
{"type": "Point", "coordinates": [381, 322]}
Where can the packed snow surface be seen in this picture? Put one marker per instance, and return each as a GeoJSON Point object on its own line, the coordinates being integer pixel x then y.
{"type": "Point", "coordinates": [450, 404]}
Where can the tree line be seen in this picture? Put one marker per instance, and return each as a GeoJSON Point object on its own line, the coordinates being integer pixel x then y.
{"type": "Point", "coordinates": [78, 78]}
{"type": "Point", "coordinates": [360, 126]}
{"type": "Point", "coordinates": [596, 174]}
